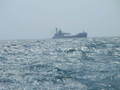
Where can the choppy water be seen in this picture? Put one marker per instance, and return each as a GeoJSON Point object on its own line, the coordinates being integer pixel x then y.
{"type": "Point", "coordinates": [63, 64]}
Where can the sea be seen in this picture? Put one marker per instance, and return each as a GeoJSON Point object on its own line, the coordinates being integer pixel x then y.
{"type": "Point", "coordinates": [60, 64]}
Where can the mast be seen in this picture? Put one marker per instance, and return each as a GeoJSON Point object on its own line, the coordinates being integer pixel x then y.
{"type": "Point", "coordinates": [56, 30]}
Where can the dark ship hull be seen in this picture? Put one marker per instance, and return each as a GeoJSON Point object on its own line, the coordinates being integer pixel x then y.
{"type": "Point", "coordinates": [59, 34]}
{"type": "Point", "coordinates": [72, 36]}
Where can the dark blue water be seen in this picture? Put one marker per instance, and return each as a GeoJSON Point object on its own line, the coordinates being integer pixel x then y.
{"type": "Point", "coordinates": [62, 64]}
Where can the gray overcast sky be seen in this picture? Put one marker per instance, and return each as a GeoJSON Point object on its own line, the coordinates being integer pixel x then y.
{"type": "Point", "coordinates": [35, 19]}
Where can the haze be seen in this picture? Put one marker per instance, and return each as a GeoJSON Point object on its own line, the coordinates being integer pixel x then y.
{"type": "Point", "coordinates": [37, 19]}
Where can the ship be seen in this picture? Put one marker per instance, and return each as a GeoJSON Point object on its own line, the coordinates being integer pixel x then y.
{"type": "Point", "coordinates": [60, 34]}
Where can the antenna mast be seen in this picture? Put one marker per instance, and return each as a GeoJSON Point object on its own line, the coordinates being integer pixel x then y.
{"type": "Point", "coordinates": [56, 30]}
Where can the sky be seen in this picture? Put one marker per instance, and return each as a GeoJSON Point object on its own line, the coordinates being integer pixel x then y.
{"type": "Point", "coordinates": [37, 19]}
